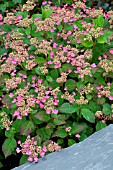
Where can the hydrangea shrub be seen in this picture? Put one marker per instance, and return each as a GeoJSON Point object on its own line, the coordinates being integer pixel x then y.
{"type": "Point", "coordinates": [56, 70]}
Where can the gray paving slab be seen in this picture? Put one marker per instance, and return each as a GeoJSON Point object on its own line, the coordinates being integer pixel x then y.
{"type": "Point", "coordinates": [94, 153]}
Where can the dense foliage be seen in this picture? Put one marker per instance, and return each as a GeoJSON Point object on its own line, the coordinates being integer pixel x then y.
{"type": "Point", "coordinates": [56, 70]}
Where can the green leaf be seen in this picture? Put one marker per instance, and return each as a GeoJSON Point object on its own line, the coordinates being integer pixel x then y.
{"type": "Point", "coordinates": [65, 67]}
{"type": "Point", "coordinates": [40, 60]}
{"type": "Point", "coordinates": [17, 124]}
{"type": "Point", "coordinates": [1, 165]}
{"type": "Point", "coordinates": [100, 126]}
{"type": "Point", "coordinates": [71, 142]}
{"type": "Point", "coordinates": [99, 22]}
{"type": "Point", "coordinates": [70, 84]}
{"type": "Point", "coordinates": [28, 31]}
{"type": "Point", "coordinates": [68, 27]}
{"type": "Point", "coordinates": [34, 16]}
{"type": "Point", "coordinates": [88, 115]}
{"type": "Point", "coordinates": [49, 78]}
{"type": "Point", "coordinates": [54, 73]}
{"type": "Point", "coordinates": [82, 137]}
{"type": "Point", "coordinates": [86, 43]}
{"type": "Point", "coordinates": [61, 133]}
{"type": "Point", "coordinates": [60, 27]}
{"type": "Point", "coordinates": [41, 115]}
{"type": "Point", "coordinates": [8, 146]}
{"type": "Point", "coordinates": [59, 120]}
{"type": "Point", "coordinates": [102, 39]}
{"type": "Point", "coordinates": [107, 109]}
{"type": "Point", "coordinates": [94, 106]}
{"type": "Point", "coordinates": [48, 13]}
{"type": "Point", "coordinates": [76, 129]}
{"type": "Point", "coordinates": [43, 134]}
{"type": "Point", "coordinates": [24, 14]}
{"type": "Point", "coordinates": [23, 159]}
{"type": "Point", "coordinates": [60, 141]}
{"type": "Point", "coordinates": [10, 133]}
{"type": "Point", "coordinates": [17, 1]}
{"type": "Point", "coordinates": [26, 128]}
{"type": "Point", "coordinates": [68, 108]}
{"type": "Point", "coordinates": [38, 71]}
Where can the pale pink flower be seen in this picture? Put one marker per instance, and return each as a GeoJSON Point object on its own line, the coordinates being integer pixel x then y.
{"type": "Point", "coordinates": [110, 97]}
{"type": "Point", "coordinates": [44, 148]}
{"type": "Point", "coordinates": [48, 111]}
{"type": "Point", "coordinates": [35, 159]}
{"type": "Point", "coordinates": [1, 17]}
{"type": "Point", "coordinates": [93, 65]}
{"type": "Point", "coordinates": [42, 154]}
{"type": "Point", "coordinates": [11, 95]}
{"type": "Point", "coordinates": [18, 150]}
{"type": "Point", "coordinates": [41, 105]}
{"type": "Point", "coordinates": [99, 58]}
{"type": "Point", "coordinates": [30, 159]}
{"type": "Point", "coordinates": [99, 95]}
{"type": "Point", "coordinates": [77, 135]}
{"type": "Point", "coordinates": [111, 51]}
{"type": "Point", "coordinates": [103, 121]}
{"type": "Point", "coordinates": [55, 111]}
